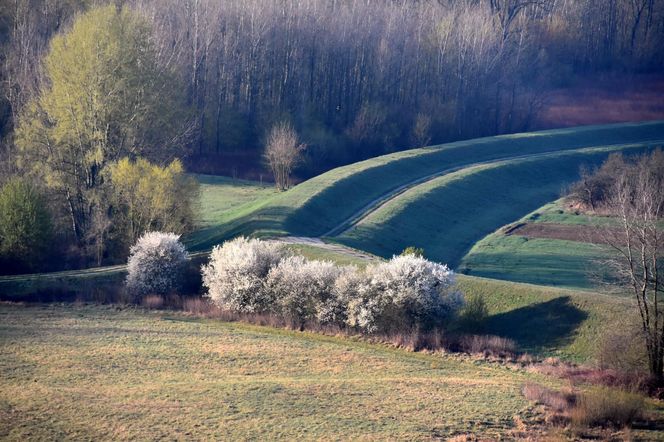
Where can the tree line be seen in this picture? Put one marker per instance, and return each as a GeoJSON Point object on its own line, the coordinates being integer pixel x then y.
{"type": "Point", "coordinates": [102, 102]}
{"type": "Point", "coordinates": [356, 78]}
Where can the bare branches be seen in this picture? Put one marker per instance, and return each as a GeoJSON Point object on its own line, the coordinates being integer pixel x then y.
{"type": "Point", "coordinates": [636, 200]}
{"type": "Point", "coordinates": [282, 152]}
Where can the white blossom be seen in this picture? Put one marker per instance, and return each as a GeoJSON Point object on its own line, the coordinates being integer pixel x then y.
{"type": "Point", "coordinates": [405, 292]}
{"type": "Point", "coordinates": [156, 264]}
{"type": "Point", "coordinates": [236, 274]}
{"type": "Point", "coordinates": [303, 289]}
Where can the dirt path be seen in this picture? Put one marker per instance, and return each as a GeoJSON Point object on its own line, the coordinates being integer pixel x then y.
{"type": "Point", "coordinates": [387, 197]}
{"type": "Point", "coordinates": [332, 247]}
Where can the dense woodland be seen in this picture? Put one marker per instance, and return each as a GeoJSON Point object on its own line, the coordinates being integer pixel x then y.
{"type": "Point", "coordinates": [355, 77]}
{"type": "Point", "coordinates": [104, 104]}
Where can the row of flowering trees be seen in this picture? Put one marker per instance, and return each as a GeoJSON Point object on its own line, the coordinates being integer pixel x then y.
{"type": "Point", "coordinates": [254, 276]}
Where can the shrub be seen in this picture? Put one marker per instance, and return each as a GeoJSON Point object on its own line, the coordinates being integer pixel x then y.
{"type": "Point", "coordinates": [237, 271]}
{"type": "Point", "coordinates": [474, 314]}
{"type": "Point", "coordinates": [156, 264]}
{"type": "Point", "coordinates": [148, 197]}
{"type": "Point", "coordinates": [415, 251]}
{"type": "Point", "coordinates": [621, 348]}
{"type": "Point", "coordinates": [488, 345]}
{"type": "Point", "coordinates": [407, 291]}
{"type": "Point", "coordinates": [603, 406]}
{"type": "Point", "coordinates": [304, 290]}
{"type": "Point", "coordinates": [25, 227]}
{"type": "Point", "coordinates": [555, 400]}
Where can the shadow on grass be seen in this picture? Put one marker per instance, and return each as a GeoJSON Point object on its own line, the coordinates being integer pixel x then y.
{"type": "Point", "coordinates": [539, 327]}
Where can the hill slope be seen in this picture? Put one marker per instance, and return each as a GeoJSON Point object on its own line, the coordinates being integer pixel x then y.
{"type": "Point", "coordinates": [447, 215]}
{"type": "Point", "coordinates": [325, 202]}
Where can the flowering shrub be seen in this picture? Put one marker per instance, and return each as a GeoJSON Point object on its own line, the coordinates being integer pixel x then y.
{"type": "Point", "coordinates": [237, 272]}
{"type": "Point", "coordinates": [156, 264]}
{"type": "Point", "coordinates": [407, 291]}
{"type": "Point", "coordinates": [253, 276]}
{"type": "Point", "coordinates": [304, 290]}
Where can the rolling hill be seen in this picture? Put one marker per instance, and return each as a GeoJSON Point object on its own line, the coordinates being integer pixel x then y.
{"type": "Point", "coordinates": [334, 201]}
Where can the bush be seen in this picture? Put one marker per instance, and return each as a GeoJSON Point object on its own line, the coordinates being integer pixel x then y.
{"type": "Point", "coordinates": [236, 274]}
{"type": "Point", "coordinates": [557, 401]}
{"type": "Point", "coordinates": [304, 290]}
{"type": "Point", "coordinates": [488, 345]}
{"type": "Point", "coordinates": [621, 348]}
{"type": "Point", "coordinates": [603, 406]}
{"type": "Point", "coordinates": [148, 197]}
{"type": "Point", "coordinates": [415, 251]}
{"type": "Point", "coordinates": [474, 314]}
{"type": "Point", "coordinates": [406, 292]}
{"type": "Point", "coordinates": [25, 226]}
{"type": "Point", "coordinates": [156, 264]}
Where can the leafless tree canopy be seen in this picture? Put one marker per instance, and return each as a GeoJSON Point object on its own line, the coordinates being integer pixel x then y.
{"type": "Point", "coordinates": [474, 67]}
{"type": "Point", "coordinates": [636, 199]}
{"type": "Point", "coordinates": [282, 152]}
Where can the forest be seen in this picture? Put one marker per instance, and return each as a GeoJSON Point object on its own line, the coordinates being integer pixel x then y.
{"type": "Point", "coordinates": [356, 78]}
{"type": "Point", "coordinates": [107, 107]}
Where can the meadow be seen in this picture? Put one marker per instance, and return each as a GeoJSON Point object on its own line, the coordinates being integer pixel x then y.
{"type": "Point", "coordinates": [510, 255]}
{"type": "Point", "coordinates": [324, 204]}
{"type": "Point", "coordinates": [105, 372]}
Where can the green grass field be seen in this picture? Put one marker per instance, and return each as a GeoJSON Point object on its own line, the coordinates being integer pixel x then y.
{"type": "Point", "coordinates": [448, 215]}
{"type": "Point", "coordinates": [223, 198]}
{"type": "Point", "coordinates": [103, 373]}
{"type": "Point", "coordinates": [544, 261]}
{"type": "Point", "coordinates": [549, 321]}
{"type": "Point", "coordinates": [320, 204]}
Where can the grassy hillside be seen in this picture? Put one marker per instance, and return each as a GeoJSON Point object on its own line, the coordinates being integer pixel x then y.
{"type": "Point", "coordinates": [223, 198]}
{"type": "Point", "coordinates": [546, 320]}
{"type": "Point", "coordinates": [106, 373]}
{"type": "Point", "coordinates": [448, 215]}
{"type": "Point", "coordinates": [322, 203]}
{"type": "Point", "coordinates": [567, 323]}
{"type": "Point", "coordinates": [536, 260]}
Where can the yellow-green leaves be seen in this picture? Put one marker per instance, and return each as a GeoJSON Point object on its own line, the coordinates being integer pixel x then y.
{"type": "Point", "coordinates": [105, 97]}
{"type": "Point", "coordinates": [150, 197]}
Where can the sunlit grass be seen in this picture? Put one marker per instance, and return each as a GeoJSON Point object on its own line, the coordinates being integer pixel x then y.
{"type": "Point", "coordinates": [107, 373]}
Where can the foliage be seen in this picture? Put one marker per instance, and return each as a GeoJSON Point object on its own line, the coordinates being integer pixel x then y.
{"type": "Point", "coordinates": [408, 291]}
{"type": "Point", "coordinates": [304, 290]}
{"type": "Point", "coordinates": [283, 152]}
{"type": "Point", "coordinates": [105, 97]}
{"type": "Point", "coordinates": [474, 315]}
{"type": "Point", "coordinates": [415, 251]}
{"type": "Point", "coordinates": [236, 274]}
{"type": "Point", "coordinates": [149, 197]}
{"type": "Point", "coordinates": [156, 264]}
{"type": "Point", "coordinates": [25, 225]}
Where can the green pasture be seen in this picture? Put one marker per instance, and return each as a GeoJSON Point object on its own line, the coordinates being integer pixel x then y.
{"type": "Point", "coordinates": [109, 373]}
{"type": "Point", "coordinates": [321, 204]}
{"type": "Point", "coordinates": [449, 214]}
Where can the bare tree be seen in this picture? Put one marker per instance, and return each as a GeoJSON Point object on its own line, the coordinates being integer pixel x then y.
{"type": "Point", "coordinates": [282, 152]}
{"type": "Point", "coordinates": [637, 200]}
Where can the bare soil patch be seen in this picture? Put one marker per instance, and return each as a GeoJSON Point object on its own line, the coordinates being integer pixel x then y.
{"type": "Point", "coordinates": [604, 101]}
{"type": "Point", "coordinates": [578, 233]}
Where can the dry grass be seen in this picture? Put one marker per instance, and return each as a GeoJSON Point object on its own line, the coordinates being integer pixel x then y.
{"type": "Point", "coordinates": [116, 373]}
{"type": "Point", "coordinates": [607, 407]}
{"type": "Point", "coordinates": [555, 400]}
{"type": "Point", "coordinates": [489, 346]}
